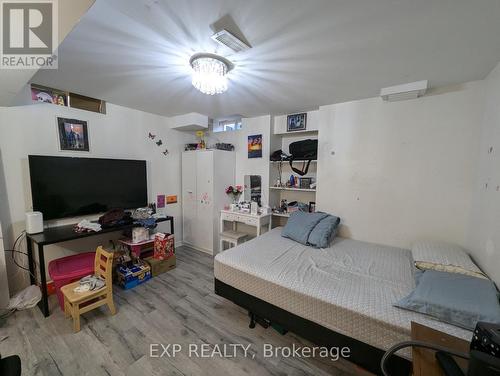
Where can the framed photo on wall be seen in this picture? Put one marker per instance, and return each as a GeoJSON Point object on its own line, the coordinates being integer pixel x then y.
{"type": "Point", "coordinates": [73, 134]}
{"type": "Point", "coordinates": [296, 122]}
{"type": "Point", "coordinates": [255, 146]}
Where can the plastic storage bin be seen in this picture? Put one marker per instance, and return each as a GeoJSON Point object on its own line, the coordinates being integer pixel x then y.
{"type": "Point", "coordinates": [69, 269]}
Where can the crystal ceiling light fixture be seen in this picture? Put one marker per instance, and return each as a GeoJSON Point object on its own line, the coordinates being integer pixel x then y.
{"type": "Point", "coordinates": [209, 73]}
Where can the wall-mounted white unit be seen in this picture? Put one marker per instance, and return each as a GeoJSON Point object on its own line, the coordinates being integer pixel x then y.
{"type": "Point", "coordinates": [205, 176]}
{"type": "Point", "coordinates": [4, 285]}
{"type": "Point", "coordinates": [190, 122]}
{"type": "Point", "coordinates": [403, 92]}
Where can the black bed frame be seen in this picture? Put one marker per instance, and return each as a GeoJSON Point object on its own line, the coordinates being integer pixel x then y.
{"type": "Point", "coordinates": [362, 354]}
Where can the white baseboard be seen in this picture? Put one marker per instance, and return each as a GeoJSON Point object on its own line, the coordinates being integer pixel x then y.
{"type": "Point", "coordinates": [198, 248]}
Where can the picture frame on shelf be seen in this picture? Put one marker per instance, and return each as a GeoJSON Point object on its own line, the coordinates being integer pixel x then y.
{"type": "Point", "coordinates": [73, 134]}
{"type": "Point", "coordinates": [296, 122]}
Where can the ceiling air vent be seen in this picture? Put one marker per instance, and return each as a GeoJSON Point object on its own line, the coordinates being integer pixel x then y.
{"type": "Point", "coordinates": [227, 39]}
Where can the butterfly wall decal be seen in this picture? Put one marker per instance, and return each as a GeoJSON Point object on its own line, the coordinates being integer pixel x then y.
{"type": "Point", "coordinates": [165, 152]}
{"type": "Point", "coordinates": [159, 143]}
{"type": "Point", "coordinates": [152, 136]}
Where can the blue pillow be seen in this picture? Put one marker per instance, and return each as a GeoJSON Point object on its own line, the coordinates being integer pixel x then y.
{"type": "Point", "coordinates": [323, 233]}
{"type": "Point", "coordinates": [456, 299]}
{"type": "Point", "coordinates": [300, 224]}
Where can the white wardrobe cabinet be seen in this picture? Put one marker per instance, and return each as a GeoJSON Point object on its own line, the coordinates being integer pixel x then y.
{"type": "Point", "coordinates": [205, 176]}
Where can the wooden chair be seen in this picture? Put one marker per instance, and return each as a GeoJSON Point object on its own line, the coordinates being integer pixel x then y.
{"type": "Point", "coordinates": [76, 303]}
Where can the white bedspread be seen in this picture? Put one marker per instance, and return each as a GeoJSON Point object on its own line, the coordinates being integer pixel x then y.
{"type": "Point", "coordinates": [349, 287]}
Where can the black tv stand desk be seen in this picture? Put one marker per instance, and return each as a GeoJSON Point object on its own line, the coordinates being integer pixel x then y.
{"type": "Point", "coordinates": [61, 234]}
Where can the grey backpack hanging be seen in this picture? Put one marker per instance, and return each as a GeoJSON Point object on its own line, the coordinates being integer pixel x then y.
{"type": "Point", "coordinates": [305, 151]}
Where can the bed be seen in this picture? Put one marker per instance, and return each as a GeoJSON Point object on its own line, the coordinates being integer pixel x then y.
{"type": "Point", "coordinates": [341, 295]}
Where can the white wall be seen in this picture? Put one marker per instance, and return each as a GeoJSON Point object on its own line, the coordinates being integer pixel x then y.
{"type": "Point", "coordinates": [402, 170]}
{"type": "Point", "coordinates": [121, 133]}
{"type": "Point", "coordinates": [244, 165]}
{"type": "Point", "coordinates": [484, 225]}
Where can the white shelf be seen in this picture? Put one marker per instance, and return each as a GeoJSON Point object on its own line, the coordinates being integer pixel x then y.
{"type": "Point", "coordinates": [293, 189]}
{"type": "Point", "coordinates": [312, 132]}
{"type": "Point", "coordinates": [285, 215]}
{"type": "Point", "coordinates": [314, 161]}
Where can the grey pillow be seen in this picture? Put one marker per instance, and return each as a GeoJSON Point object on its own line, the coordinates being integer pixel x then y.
{"type": "Point", "coordinates": [323, 233]}
{"type": "Point", "coordinates": [300, 224]}
{"type": "Point", "coordinates": [454, 298]}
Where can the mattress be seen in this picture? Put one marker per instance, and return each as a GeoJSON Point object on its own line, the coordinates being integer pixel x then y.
{"type": "Point", "coordinates": [349, 287]}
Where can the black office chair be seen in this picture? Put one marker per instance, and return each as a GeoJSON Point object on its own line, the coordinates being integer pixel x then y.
{"type": "Point", "coordinates": [10, 366]}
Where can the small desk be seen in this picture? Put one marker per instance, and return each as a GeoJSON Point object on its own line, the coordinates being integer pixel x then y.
{"type": "Point", "coordinates": [61, 234]}
{"type": "Point", "coordinates": [257, 221]}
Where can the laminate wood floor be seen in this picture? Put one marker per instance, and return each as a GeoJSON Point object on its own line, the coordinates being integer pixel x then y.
{"type": "Point", "coordinates": [177, 307]}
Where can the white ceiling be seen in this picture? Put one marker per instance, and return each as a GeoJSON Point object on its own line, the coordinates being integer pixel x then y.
{"type": "Point", "coordinates": [305, 53]}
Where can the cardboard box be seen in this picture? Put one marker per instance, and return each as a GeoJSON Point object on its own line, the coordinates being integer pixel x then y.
{"type": "Point", "coordinates": [129, 277]}
{"type": "Point", "coordinates": [161, 266]}
{"type": "Point", "coordinates": [164, 246]}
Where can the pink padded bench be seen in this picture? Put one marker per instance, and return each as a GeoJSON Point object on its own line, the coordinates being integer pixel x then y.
{"type": "Point", "coordinates": [69, 269]}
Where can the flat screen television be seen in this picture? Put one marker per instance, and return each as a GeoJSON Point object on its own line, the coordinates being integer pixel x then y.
{"type": "Point", "coordinates": [69, 187]}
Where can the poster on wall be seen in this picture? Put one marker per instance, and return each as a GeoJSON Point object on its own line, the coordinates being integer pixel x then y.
{"type": "Point", "coordinates": [255, 146]}
{"type": "Point", "coordinates": [73, 134]}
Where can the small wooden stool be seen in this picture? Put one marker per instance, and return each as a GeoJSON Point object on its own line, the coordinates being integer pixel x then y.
{"type": "Point", "coordinates": [74, 302]}
{"type": "Point", "coordinates": [233, 238]}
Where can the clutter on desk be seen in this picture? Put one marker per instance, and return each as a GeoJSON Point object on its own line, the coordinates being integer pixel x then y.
{"type": "Point", "coordinates": [87, 226]}
{"type": "Point", "coordinates": [142, 213]}
{"type": "Point", "coordinates": [149, 223]}
{"type": "Point", "coordinates": [114, 217]}
{"type": "Point", "coordinates": [249, 207]}
{"type": "Point", "coordinates": [146, 217]}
